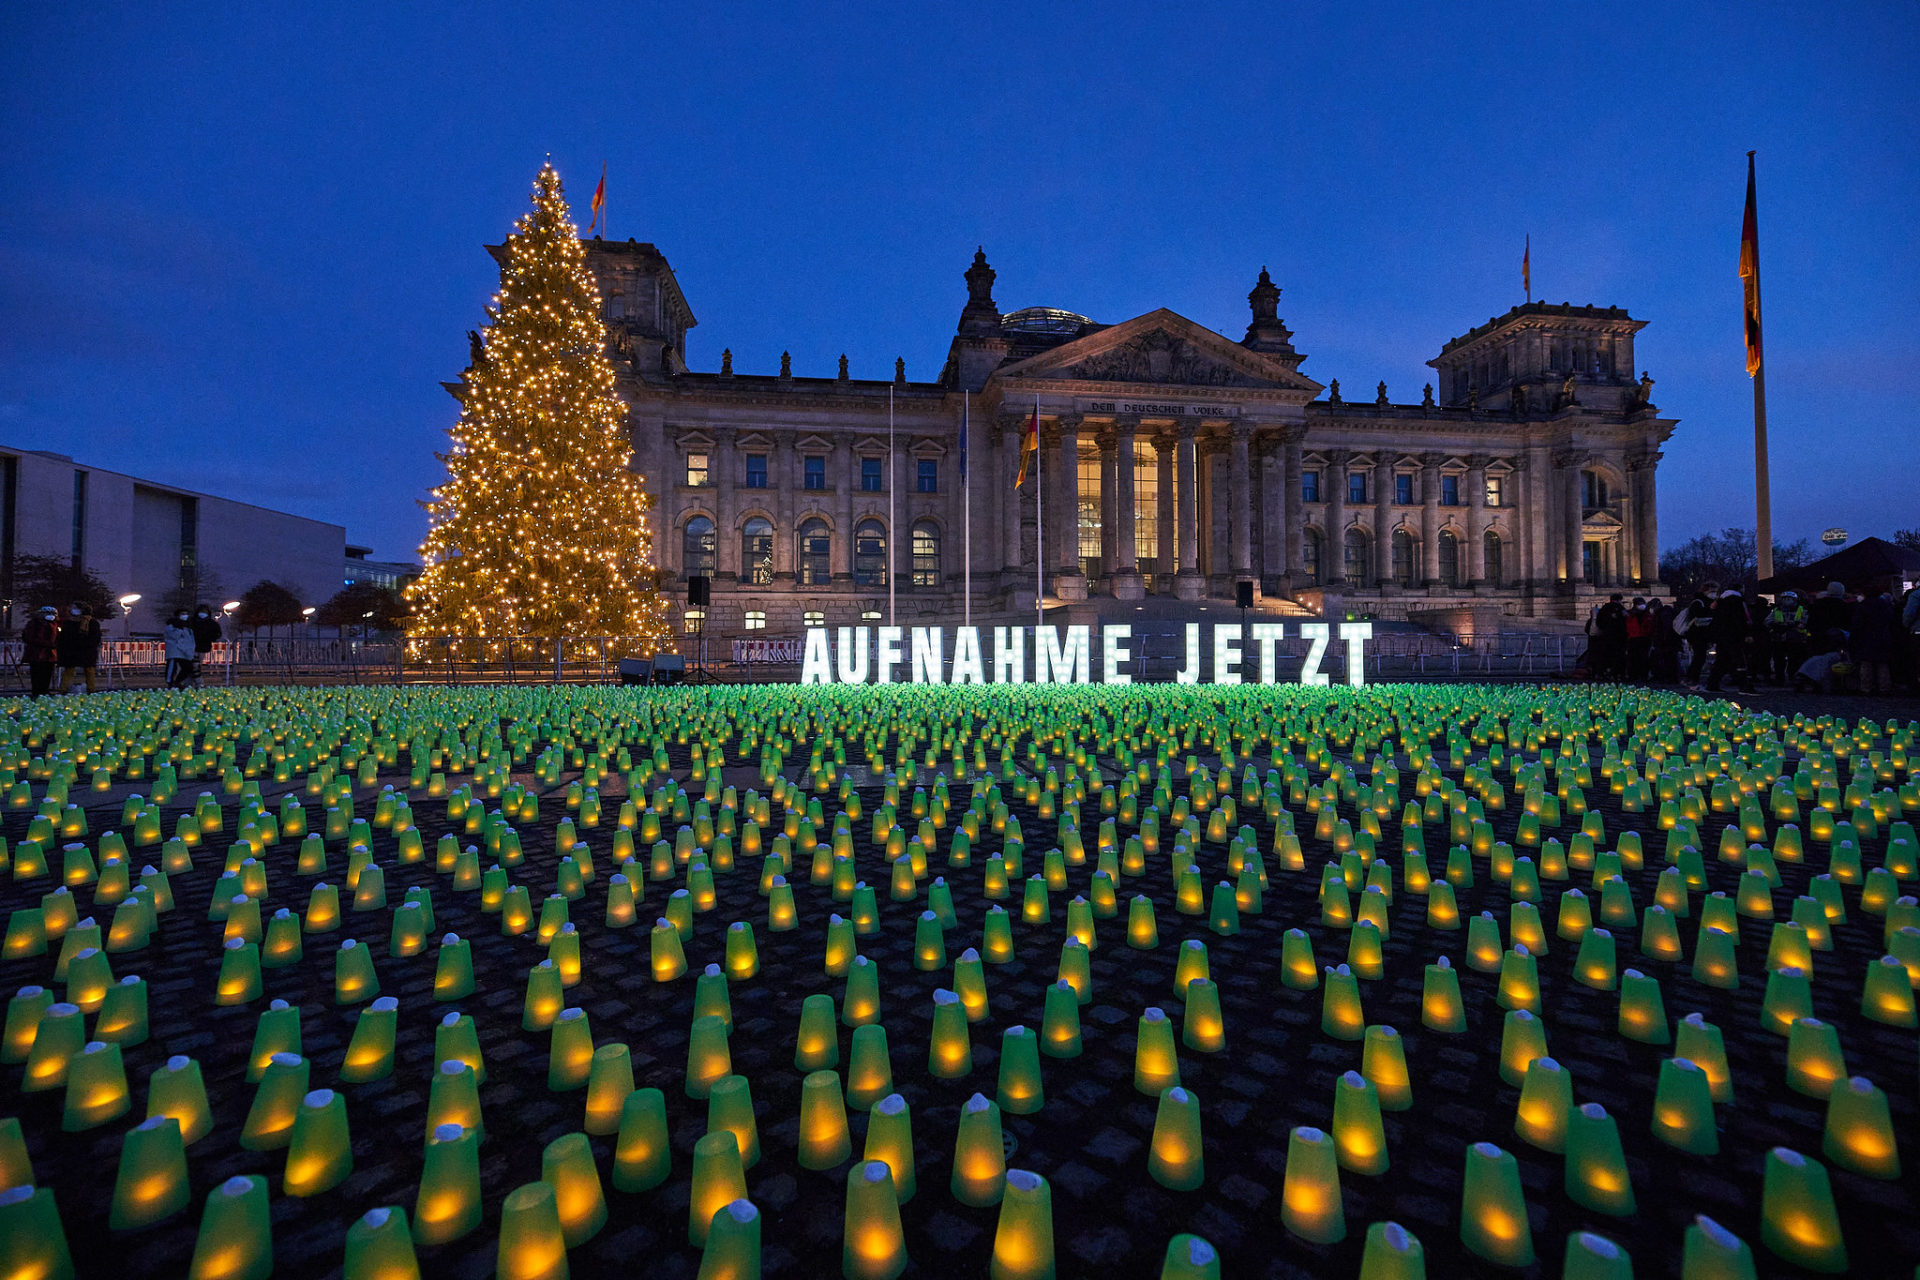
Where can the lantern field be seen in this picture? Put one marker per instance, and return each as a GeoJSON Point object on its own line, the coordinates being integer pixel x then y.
{"type": "Point", "coordinates": [1034, 979]}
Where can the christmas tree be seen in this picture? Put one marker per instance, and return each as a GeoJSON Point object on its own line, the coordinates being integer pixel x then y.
{"type": "Point", "coordinates": [541, 528]}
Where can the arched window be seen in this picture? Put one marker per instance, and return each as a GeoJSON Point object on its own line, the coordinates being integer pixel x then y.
{"type": "Point", "coordinates": [756, 551]}
{"type": "Point", "coordinates": [696, 548]}
{"type": "Point", "coordinates": [1310, 556]}
{"type": "Point", "coordinates": [1403, 558]}
{"type": "Point", "coordinates": [1491, 547]}
{"type": "Point", "coordinates": [926, 556]}
{"type": "Point", "coordinates": [816, 553]}
{"type": "Point", "coordinates": [1357, 558]}
{"type": "Point", "coordinates": [1449, 558]}
{"type": "Point", "coordinates": [1593, 490]}
{"type": "Point", "coordinates": [870, 554]}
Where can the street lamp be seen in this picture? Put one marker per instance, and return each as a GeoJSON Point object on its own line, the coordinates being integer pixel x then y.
{"type": "Point", "coordinates": [127, 602]}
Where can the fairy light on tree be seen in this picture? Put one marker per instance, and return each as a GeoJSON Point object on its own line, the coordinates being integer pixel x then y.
{"type": "Point", "coordinates": [541, 527]}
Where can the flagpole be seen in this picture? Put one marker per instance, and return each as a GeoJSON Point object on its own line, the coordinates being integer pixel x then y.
{"type": "Point", "coordinates": [892, 533]}
{"type": "Point", "coordinates": [966, 517]}
{"type": "Point", "coordinates": [1039, 529]}
{"type": "Point", "coordinates": [1762, 480]}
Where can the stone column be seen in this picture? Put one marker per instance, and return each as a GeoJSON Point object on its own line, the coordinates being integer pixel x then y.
{"type": "Point", "coordinates": [1125, 576]}
{"type": "Point", "coordinates": [1240, 494]}
{"type": "Point", "coordinates": [1572, 512]}
{"type": "Point", "coordinates": [846, 476]}
{"type": "Point", "coordinates": [1430, 517]}
{"type": "Point", "coordinates": [1188, 584]}
{"type": "Point", "coordinates": [1069, 583]}
{"type": "Point", "coordinates": [1333, 547]}
{"type": "Point", "coordinates": [721, 467]}
{"type": "Point", "coordinates": [786, 547]}
{"type": "Point", "coordinates": [1292, 514]}
{"type": "Point", "coordinates": [1647, 514]}
{"type": "Point", "coordinates": [1267, 505]}
{"type": "Point", "coordinates": [1013, 502]}
{"type": "Point", "coordinates": [1539, 563]}
{"type": "Point", "coordinates": [1383, 495]}
{"type": "Point", "coordinates": [1109, 442]}
{"type": "Point", "coordinates": [1164, 516]}
{"type": "Point", "coordinates": [1477, 520]}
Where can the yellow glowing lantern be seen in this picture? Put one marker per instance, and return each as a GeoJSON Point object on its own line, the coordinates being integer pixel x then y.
{"type": "Point", "coordinates": [1310, 1200]}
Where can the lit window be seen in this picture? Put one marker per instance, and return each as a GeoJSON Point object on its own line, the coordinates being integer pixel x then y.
{"type": "Point", "coordinates": [816, 473]}
{"type": "Point", "coordinates": [1449, 491]}
{"type": "Point", "coordinates": [869, 615]}
{"type": "Point", "coordinates": [1309, 486]}
{"type": "Point", "coordinates": [697, 470]}
{"type": "Point", "coordinates": [870, 554]}
{"type": "Point", "coordinates": [816, 554]}
{"type": "Point", "coordinates": [926, 556]}
{"type": "Point", "coordinates": [927, 476]}
{"type": "Point", "coordinates": [1403, 489]}
{"type": "Point", "coordinates": [695, 619]}
{"type": "Point", "coordinates": [1496, 486]}
{"type": "Point", "coordinates": [756, 620]}
{"type": "Point", "coordinates": [1356, 486]}
{"type": "Point", "coordinates": [870, 475]}
{"type": "Point", "coordinates": [756, 471]}
{"type": "Point", "coordinates": [813, 618]}
{"type": "Point", "coordinates": [1146, 505]}
{"type": "Point", "coordinates": [1088, 529]}
{"type": "Point", "coordinates": [756, 551]}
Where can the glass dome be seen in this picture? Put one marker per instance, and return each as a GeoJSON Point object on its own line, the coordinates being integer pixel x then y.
{"type": "Point", "coordinates": [1044, 320]}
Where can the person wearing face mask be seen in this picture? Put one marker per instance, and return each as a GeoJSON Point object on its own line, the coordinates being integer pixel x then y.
{"type": "Point", "coordinates": [78, 645]}
{"type": "Point", "coordinates": [180, 649]}
{"type": "Point", "coordinates": [39, 640]}
{"type": "Point", "coordinates": [206, 633]}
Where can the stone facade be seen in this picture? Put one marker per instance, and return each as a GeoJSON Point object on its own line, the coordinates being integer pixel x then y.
{"type": "Point", "coordinates": [1526, 485]}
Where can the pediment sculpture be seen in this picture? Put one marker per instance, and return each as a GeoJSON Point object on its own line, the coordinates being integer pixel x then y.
{"type": "Point", "coordinates": [1160, 357]}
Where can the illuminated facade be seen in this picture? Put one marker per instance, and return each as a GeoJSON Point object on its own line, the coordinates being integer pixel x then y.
{"type": "Point", "coordinates": [1524, 483]}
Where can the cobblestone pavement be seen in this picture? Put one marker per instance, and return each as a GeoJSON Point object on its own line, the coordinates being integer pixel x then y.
{"type": "Point", "coordinates": [1090, 1140]}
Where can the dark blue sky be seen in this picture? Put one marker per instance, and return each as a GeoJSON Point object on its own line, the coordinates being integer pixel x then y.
{"type": "Point", "coordinates": [240, 245]}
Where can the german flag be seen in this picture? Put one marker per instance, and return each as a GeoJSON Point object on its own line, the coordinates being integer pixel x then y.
{"type": "Point", "coordinates": [599, 203]}
{"type": "Point", "coordinates": [1029, 446]}
{"type": "Point", "coordinates": [1750, 271]}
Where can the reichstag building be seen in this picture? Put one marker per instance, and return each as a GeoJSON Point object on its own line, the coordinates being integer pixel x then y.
{"type": "Point", "coordinates": [1183, 463]}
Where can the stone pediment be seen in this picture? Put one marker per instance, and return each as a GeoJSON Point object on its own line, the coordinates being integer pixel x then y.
{"type": "Point", "coordinates": [1160, 349]}
{"type": "Point", "coordinates": [1601, 522]}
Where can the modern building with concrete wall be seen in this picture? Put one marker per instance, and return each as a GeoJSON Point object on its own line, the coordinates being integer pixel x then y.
{"type": "Point", "coordinates": [1175, 461]}
{"type": "Point", "coordinates": [154, 539]}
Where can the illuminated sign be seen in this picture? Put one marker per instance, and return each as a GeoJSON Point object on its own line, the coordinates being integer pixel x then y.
{"type": "Point", "coordinates": [1064, 655]}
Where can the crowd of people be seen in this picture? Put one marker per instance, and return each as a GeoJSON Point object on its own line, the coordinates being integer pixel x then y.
{"type": "Point", "coordinates": [70, 646]}
{"type": "Point", "coordinates": [1723, 637]}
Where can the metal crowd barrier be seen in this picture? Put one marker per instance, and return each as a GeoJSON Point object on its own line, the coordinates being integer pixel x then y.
{"type": "Point", "coordinates": [1158, 651]}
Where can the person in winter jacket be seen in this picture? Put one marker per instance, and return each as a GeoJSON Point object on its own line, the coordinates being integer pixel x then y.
{"type": "Point", "coordinates": [1639, 640]}
{"type": "Point", "coordinates": [78, 645]}
{"type": "Point", "coordinates": [39, 639]}
{"type": "Point", "coordinates": [1730, 633]}
{"type": "Point", "coordinates": [1876, 637]}
{"type": "Point", "coordinates": [1787, 629]}
{"type": "Point", "coordinates": [1664, 661]}
{"type": "Point", "coordinates": [206, 633]}
{"type": "Point", "coordinates": [1698, 630]}
{"type": "Point", "coordinates": [1829, 619]}
{"type": "Point", "coordinates": [180, 649]}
